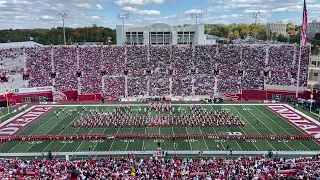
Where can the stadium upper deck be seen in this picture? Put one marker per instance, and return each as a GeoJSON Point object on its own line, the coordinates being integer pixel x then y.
{"type": "Point", "coordinates": [153, 70]}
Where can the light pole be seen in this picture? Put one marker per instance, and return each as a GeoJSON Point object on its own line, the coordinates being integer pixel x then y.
{"type": "Point", "coordinates": [123, 17]}
{"type": "Point", "coordinates": [196, 16]}
{"type": "Point", "coordinates": [255, 16]}
{"type": "Point", "coordinates": [63, 17]}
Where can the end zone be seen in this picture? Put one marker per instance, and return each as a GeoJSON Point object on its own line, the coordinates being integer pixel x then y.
{"type": "Point", "coordinates": [17, 124]}
{"type": "Point", "coordinates": [302, 122]}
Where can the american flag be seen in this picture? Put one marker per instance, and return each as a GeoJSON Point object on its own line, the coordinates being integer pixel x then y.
{"type": "Point", "coordinates": [304, 25]}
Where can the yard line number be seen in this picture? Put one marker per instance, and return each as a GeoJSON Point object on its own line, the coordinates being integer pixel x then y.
{"type": "Point", "coordinates": [190, 140]}
{"type": "Point", "coordinates": [158, 140]}
{"type": "Point", "coordinates": [35, 142]}
{"type": "Point", "coordinates": [128, 140]}
{"type": "Point", "coordinates": [97, 141]}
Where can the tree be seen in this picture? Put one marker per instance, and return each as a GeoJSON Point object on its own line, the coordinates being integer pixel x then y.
{"type": "Point", "coordinates": [282, 38]}
{"type": "Point", "coordinates": [317, 36]}
{"type": "Point", "coordinates": [315, 49]}
{"type": "Point", "coordinates": [236, 34]}
{"type": "Point", "coordinates": [292, 32]}
{"type": "Point", "coordinates": [223, 30]}
{"type": "Point", "coordinates": [54, 36]}
{"type": "Point", "coordinates": [290, 27]}
{"type": "Point", "coordinates": [262, 34]}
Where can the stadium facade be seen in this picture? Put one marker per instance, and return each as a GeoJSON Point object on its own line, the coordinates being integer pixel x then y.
{"type": "Point", "coordinates": [277, 27]}
{"type": "Point", "coordinates": [313, 29]}
{"type": "Point", "coordinates": [161, 33]}
{"type": "Point", "coordinates": [314, 71]}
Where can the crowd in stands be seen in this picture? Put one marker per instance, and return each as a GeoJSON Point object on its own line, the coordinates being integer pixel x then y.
{"type": "Point", "coordinates": [39, 66]}
{"type": "Point", "coordinates": [163, 70]}
{"type": "Point", "coordinates": [65, 65]}
{"type": "Point", "coordinates": [132, 166]}
{"type": "Point", "coordinates": [90, 66]}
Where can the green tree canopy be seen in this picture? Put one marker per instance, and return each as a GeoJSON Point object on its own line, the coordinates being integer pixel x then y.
{"type": "Point", "coordinates": [54, 36]}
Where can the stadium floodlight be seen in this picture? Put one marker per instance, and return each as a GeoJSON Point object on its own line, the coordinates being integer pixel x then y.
{"type": "Point", "coordinates": [196, 16]}
{"type": "Point", "coordinates": [255, 16]}
{"type": "Point", "coordinates": [63, 17]}
{"type": "Point", "coordinates": [123, 17]}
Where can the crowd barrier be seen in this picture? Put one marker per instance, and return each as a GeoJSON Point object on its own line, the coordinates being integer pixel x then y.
{"type": "Point", "coordinates": [252, 95]}
{"type": "Point", "coordinates": [153, 136]}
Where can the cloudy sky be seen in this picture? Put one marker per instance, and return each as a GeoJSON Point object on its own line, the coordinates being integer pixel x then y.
{"type": "Point", "coordinates": [45, 13]}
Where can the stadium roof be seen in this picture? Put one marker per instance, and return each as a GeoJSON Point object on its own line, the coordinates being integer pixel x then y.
{"type": "Point", "coordinates": [17, 44]}
{"type": "Point", "coordinates": [160, 25]}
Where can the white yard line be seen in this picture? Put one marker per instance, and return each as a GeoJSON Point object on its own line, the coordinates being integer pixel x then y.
{"type": "Point", "coordinates": [172, 130]}
{"type": "Point", "coordinates": [204, 140]}
{"type": "Point", "coordinates": [252, 127]}
{"type": "Point", "coordinates": [48, 132]}
{"type": "Point", "coordinates": [236, 140]}
{"type": "Point", "coordinates": [219, 139]}
{"type": "Point", "coordinates": [79, 145]}
{"type": "Point", "coordinates": [113, 140]}
{"type": "Point", "coordinates": [145, 132]}
{"type": "Point", "coordinates": [97, 142]}
{"type": "Point", "coordinates": [239, 144]}
{"type": "Point", "coordinates": [268, 129]}
{"type": "Point", "coordinates": [188, 139]}
{"type": "Point", "coordinates": [49, 121]}
{"type": "Point", "coordinates": [129, 140]}
{"type": "Point", "coordinates": [31, 134]}
{"type": "Point", "coordinates": [62, 132]}
{"type": "Point", "coordinates": [279, 126]}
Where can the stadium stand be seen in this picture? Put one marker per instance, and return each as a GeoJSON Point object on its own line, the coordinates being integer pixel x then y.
{"type": "Point", "coordinates": [133, 167]}
{"type": "Point", "coordinates": [160, 70]}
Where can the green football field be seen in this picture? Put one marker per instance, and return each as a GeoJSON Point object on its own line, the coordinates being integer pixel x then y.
{"type": "Point", "coordinates": [270, 124]}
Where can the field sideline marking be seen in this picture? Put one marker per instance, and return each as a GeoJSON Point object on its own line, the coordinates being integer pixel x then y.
{"type": "Point", "coordinates": [143, 104]}
{"type": "Point", "coordinates": [244, 133]}
{"type": "Point", "coordinates": [217, 133]}
{"type": "Point", "coordinates": [105, 128]}
{"type": "Point", "coordinates": [268, 128]}
{"type": "Point", "coordinates": [77, 131]}
{"type": "Point", "coordinates": [188, 138]}
{"type": "Point", "coordinates": [62, 132]}
{"type": "Point", "coordinates": [253, 128]}
{"type": "Point", "coordinates": [204, 140]}
{"type": "Point", "coordinates": [300, 114]}
{"type": "Point", "coordinates": [241, 130]}
{"type": "Point", "coordinates": [33, 131]}
{"type": "Point", "coordinates": [113, 139]}
{"type": "Point", "coordinates": [49, 130]}
{"type": "Point", "coordinates": [94, 148]}
{"type": "Point", "coordinates": [278, 124]}
{"type": "Point", "coordinates": [79, 145]}
{"type": "Point", "coordinates": [145, 132]}
{"type": "Point", "coordinates": [128, 140]}
{"type": "Point", "coordinates": [17, 115]}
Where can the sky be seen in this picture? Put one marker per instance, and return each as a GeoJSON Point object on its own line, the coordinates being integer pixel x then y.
{"type": "Point", "coordinates": [29, 14]}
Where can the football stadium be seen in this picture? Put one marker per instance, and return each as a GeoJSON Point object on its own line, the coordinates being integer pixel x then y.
{"type": "Point", "coordinates": [160, 103]}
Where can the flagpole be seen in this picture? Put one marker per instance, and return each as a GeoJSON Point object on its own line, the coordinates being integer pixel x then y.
{"type": "Point", "coordinates": [7, 99]}
{"type": "Point", "coordinates": [303, 40]}
{"type": "Point", "coordinates": [298, 75]}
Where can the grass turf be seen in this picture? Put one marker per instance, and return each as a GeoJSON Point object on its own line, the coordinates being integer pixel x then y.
{"type": "Point", "coordinates": [270, 124]}
{"type": "Point", "coordinates": [4, 112]}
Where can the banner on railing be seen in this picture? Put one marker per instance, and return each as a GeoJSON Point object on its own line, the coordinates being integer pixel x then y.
{"type": "Point", "coordinates": [228, 97]}
{"type": "Point", "coordinates": [59, 96]}
{"type": "Point", "coordinates": [32, 90]}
